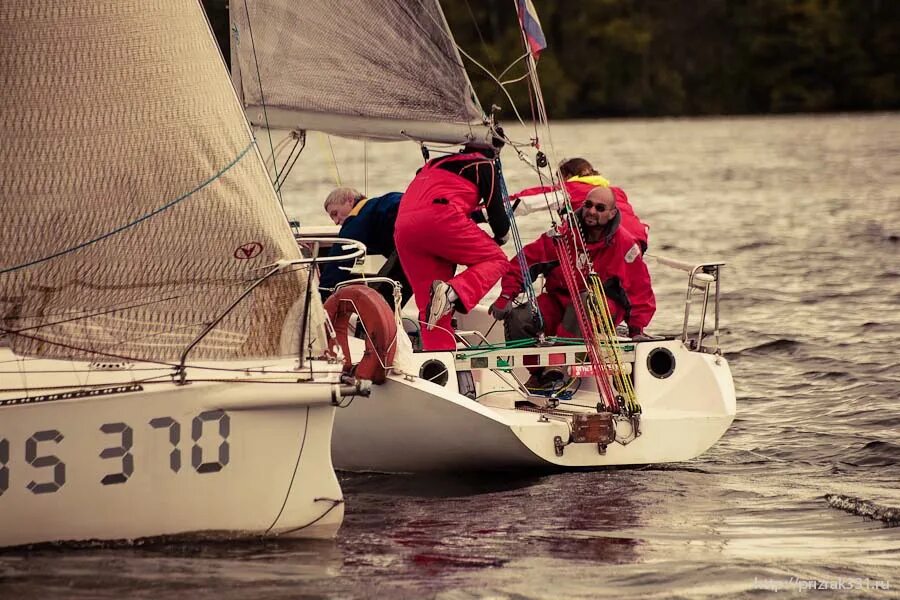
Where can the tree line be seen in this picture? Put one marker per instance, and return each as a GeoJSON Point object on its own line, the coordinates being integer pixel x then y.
{"type": "Point", "coordinates": [681, 57]}
{"type": "Point", "coordinates": [693, 57]}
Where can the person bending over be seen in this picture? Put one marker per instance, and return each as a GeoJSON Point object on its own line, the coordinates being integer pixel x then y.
{"type": "Point", "coordinates": [435, 232]}
{"type": "Point", "coordinates": [370, 221]}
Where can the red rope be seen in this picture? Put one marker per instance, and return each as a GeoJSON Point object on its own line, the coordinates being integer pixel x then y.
{"type": "Point", "coordinates": [567, 241]}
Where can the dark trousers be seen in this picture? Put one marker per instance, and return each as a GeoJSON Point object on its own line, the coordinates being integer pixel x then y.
{"type": "Point", "coordinates": [393, 270]}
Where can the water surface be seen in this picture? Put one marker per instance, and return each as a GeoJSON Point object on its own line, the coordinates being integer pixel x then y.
{"type": "Point", "coordinates": [806, 212]}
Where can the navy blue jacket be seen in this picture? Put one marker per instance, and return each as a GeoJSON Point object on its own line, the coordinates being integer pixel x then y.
{"type": "Point", "coordinates": [371, 222]}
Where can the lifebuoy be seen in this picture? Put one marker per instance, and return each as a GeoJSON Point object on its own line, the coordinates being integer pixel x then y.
{"type": "Point", "coordinates": [378, 320]}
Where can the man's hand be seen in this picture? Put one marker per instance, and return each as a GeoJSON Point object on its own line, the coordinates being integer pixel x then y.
{"type": "Point", "coordinates": [501, 308]}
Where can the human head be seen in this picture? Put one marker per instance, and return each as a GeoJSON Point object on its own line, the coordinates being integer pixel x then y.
{"type": "Point", "coordinates": [599, 208]}
{"type": "Point", "coordinates": [340, 202]}
{"type": "Point", "coordinates": [576, 167]}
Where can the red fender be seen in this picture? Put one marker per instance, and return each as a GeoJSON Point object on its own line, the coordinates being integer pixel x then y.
{"type": "Point", "coordinates": [378, 319]}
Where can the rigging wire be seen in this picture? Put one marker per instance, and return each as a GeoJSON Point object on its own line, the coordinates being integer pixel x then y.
{"type": "Point", "coordinates": [512, 103]}
{"type": "Point", "coordinates": [294, 473]}
{"type": "Point", "coordinates": [480, 37]}
{"type": "Point", "coordinates": [512, 64]}
{"type": "Point", "coordinates": [270, 160]}
{"type": "Point", "coordinates": [289, 162]}
{"type": "Point", "coordinates": [517, 242]}
{"type": "Point", "coordinates": [570, 272]}
{"type": "Point", "coordinates": [334, 163]}
{"type": "Point", "coordinates": [262, 99]}
{"type": "Point", "coordinates": [593, 316]}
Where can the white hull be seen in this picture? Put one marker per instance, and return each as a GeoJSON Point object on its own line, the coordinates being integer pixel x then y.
{"type": "Point", "coordinates": [418, 426]}
{"type": "Point", "coordinates": [149, 458]}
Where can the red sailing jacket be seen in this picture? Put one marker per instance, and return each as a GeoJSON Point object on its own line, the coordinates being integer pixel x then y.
{"type": "Point", "coordinates": [617, 260]}
{"type": "Point", "coordinates": [578, 189]}
{"type": "Point", "coordinates": [467, 182]}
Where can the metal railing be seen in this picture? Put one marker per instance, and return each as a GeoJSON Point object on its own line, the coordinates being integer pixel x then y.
{"type": "Point", "coordinates": [701, 279]}
{"type": "Point", "coordinates": [356, 248]}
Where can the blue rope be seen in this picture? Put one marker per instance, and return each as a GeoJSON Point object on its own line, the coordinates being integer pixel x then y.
{"type": "Point", "coordinates": [517, 242]}
{"type": "Point", "coordinates": [133, 223]}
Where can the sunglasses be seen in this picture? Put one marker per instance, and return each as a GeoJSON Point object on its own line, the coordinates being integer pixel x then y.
{"type": "Point", "coordinates": [599, 207]}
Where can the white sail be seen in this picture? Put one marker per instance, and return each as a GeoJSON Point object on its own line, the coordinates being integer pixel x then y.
{"type": "Point", "coordinates": [378, 69]}
{"type": "Point", "coordinates": [134, 206]}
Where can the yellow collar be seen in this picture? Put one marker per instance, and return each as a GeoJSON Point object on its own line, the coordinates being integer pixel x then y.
{"type": "Point", "coordinates": [594, 180]}
{"type": "Point", "coordinates": [357, 208]}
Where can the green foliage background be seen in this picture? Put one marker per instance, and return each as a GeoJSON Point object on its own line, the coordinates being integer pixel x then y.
{"type": "Point", "coordinates": [684, 57]}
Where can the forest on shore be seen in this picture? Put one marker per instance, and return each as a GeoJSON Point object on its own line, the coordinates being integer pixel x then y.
{"type": "Point", "coordinates": [619, 58]}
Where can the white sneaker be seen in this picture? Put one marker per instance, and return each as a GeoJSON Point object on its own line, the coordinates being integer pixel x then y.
{"type": "Point", "coordinates": [439, 304]}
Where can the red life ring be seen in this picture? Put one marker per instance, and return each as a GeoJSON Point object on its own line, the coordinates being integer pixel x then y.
{"type": "Point", "coordinates": [378, 319]}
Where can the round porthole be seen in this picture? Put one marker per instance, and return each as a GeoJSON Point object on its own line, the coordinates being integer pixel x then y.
{"type": "Point", "coordinates": [661, 362]}
{"type": "Point", "coordinates": [434, 371]}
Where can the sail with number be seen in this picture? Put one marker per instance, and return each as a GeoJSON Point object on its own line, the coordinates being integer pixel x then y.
{"type": "Point", "coordinates": [130, 220]}
{"type": "Point", "coordinates": [376, 69]}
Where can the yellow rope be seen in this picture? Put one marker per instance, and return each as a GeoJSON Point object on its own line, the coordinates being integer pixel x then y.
{"type": "Point", "coordinates": [601, 322]}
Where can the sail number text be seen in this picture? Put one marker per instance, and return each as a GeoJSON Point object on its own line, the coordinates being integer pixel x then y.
{"type": "Point", "coordinates": [38, 451]}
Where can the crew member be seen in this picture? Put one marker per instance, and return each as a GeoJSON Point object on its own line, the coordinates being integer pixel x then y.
{"type": "Point", "coordinates": [435, 232]}
{"type": "Point", "coordinates": [580, 177]}
{"type": "Point", "coordinates": [370, 221]}
{"type": "Point", "coordinates": [616, 258]}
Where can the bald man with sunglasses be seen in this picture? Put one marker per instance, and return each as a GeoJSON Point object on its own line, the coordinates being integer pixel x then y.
{"type": "Point", "coordinates": [617, 258]}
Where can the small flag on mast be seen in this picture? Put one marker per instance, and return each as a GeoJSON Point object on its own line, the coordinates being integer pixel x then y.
{"type": "Point", "coordinates": [531, 26]}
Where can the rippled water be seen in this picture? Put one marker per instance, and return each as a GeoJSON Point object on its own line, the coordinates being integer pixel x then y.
{"type": "Point", "coordinates": [806, 212]}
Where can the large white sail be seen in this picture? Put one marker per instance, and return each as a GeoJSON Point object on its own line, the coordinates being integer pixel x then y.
{"type": "Point", "coordinates": [377, 69]}
{"type": "Point", "coordinates": [134, 207]}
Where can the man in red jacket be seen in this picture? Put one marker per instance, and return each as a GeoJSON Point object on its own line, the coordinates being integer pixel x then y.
{"type": "Point", "coordinates": [580, 177]}
{"type": "Point", "coordinates": [434, 233]}
{"type": "Point", "coordinates": [616, 258]}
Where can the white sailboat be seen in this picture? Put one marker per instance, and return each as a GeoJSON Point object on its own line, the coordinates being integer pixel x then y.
{"type": "Point", "coordinates": [162, 375]}
{"type": "Point", "coordinates": [308, 67]}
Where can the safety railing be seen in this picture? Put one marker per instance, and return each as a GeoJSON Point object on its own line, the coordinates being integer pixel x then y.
{"type": "Point", "coordinates": [355, 250]}
{"type": "Point", "coordinates": [704, 280]}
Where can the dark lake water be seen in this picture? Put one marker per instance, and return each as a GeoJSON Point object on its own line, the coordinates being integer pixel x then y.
{"type": "Point", "coordinates": [806, 212]}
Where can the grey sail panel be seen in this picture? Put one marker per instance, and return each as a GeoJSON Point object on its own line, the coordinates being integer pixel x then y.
{"type": "Point", "coordinates": [389, 66]}
{"type": "Point", "coordinates": [134, 207]}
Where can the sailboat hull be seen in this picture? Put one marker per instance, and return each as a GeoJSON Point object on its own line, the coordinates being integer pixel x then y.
{"type": "Point", "coordinates": [132, 460]}
{"type": "Point", "coordinates": [413, 425]}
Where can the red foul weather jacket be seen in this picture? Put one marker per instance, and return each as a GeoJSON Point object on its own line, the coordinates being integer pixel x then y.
{"type": "Point", "coordinates": [617, 260]}
{"type": "Point", "coordinates": [467, 182]}
{"type": "Point", "coordinates": [434, 233]}
{"type": "Point", "coordinates": [578, 189]}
